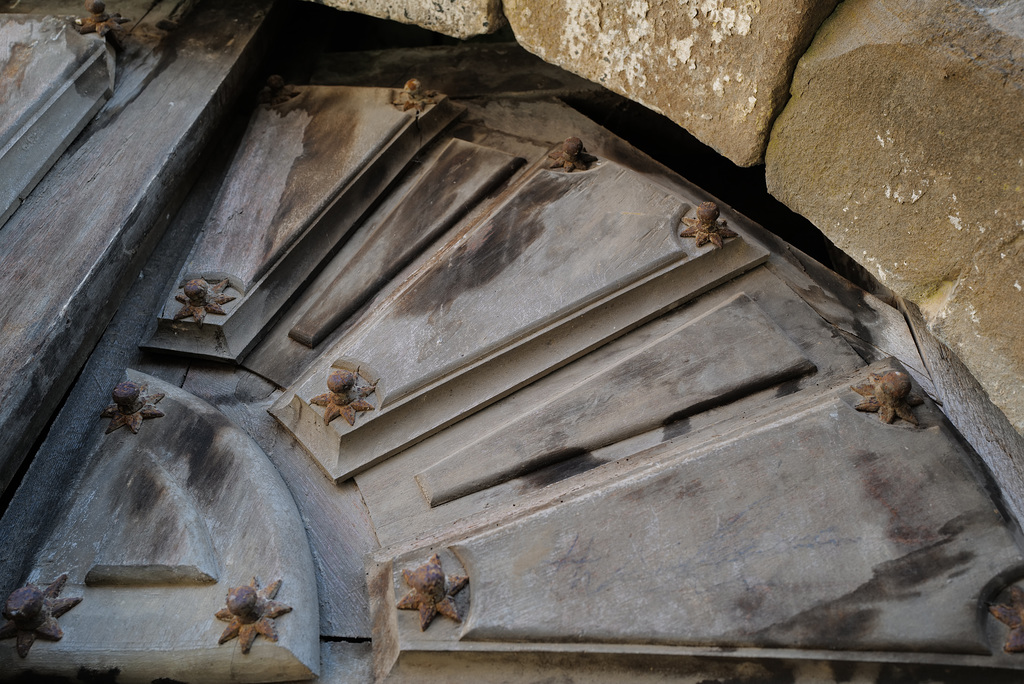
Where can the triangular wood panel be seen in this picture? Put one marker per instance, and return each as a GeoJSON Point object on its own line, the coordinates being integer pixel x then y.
{"type": "Point", "coordinates": [820, 527]}
{"type": "Point", "coordinates": [54, 80]}
{"type": "Point", "coordinates": [564, 263]}
{"type": "Point", "coordinates": [169, 520]}
{"type": "Point", "coordinates": [305, 172]}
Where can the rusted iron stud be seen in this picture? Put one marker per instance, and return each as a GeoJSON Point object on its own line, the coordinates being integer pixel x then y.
{"type": "Point", "coordinates": [345, 398]}
{"type": "Point", "coordinates": [888, 395]}
{"type": "Point", "coordinates": [275, 92]}
{"type": "Point", "coordinates": [32, 613]}
{"type": "Point", "coordinates": [201, 298]}
{"type": "Point", "coordinates": [106, 25]}
{"type": "Point", "coordinates": [1012, 615]}
{"type": "Point", "coordinates": [707, 227]}
{"type": "Point", "coordinates": [413, 96]}
{"type": "Point", "coordinates": [250, 612]}
{"type": "Point", "coordinates": [131, 406]}
{"type": "Point", "coordinates": [432, 592]}
{"type": "Point", "coordinates": [571, 156]}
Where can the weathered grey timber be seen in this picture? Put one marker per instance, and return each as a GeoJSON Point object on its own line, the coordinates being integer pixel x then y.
{"type": "Point", "coordinates": [71, 248]}
{"type": "Point", "coordinates": [190, 487]}
{"type": "Point", "coordinates": [785, 533]}
{"type": "Point", "coordinates": [54, 81]}
{"type": "Point", "coordinates": [731, 351]}
{"type": "Point", "coordinates": [306, 172]}
{"type": "Point", "coordinates": [439, 336]}
{"type": "Point", "coordinates": [395, 501]}
{"type": "Point", "coordinates": [456, 182]}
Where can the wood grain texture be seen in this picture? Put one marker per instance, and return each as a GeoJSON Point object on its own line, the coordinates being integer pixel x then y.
{"type": "Point", "coordinates": [464, 334]}
{"type": "Point", "coordinates": [887, 552]}
{"type": "Point", "coordinates": [52, 81]}
{"type": "Point", "coordinates": [729, 352]}
{"type": "Point", "coordinates": [72, 247]}
{"type": "Point", "coordinates": [216, 481]}
{"type": "Point", "coordinates": [982, 424]}
{"type": "Point", "coordinates": [284, 258]}
{"type": "Point", "coordinates": [457, 181]}
{"type": "Point", "coordinates": [338, 526]}
{"type": "Point", "coordinates": [400, 512]}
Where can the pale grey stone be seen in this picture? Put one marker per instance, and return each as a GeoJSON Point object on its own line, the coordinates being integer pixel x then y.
{"type": "Point", "coordinates": [461, 19]}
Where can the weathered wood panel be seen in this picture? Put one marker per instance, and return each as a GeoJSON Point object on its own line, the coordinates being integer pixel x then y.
{"type": "Point", "coordinates": [74, 245]}
{"type": "Point", "coordinates": [400, 512]}
{"type": "Point", "coordinates": [215, 479]}
{"type": "Point", "coordinates": [337, 523]}
{"type": "Point", "coordinates": [52, 81]}
{"type": "Point", "coordinates": [821, 527]}
{"type": "Point", "coordinates": [729, 352]}
{"type": "Point", "coordinates": [303, 181]}
{"type": "Point", "coordinates": [484, 316]}
{"type": "Point", "coordinates": [461, 177]}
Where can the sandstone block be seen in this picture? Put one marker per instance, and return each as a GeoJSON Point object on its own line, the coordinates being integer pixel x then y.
{"type": "Point", "coordinates": [719, 68]}
{"type": "Point", "coordinates": [458, 18]}
{"type": "Point", "coordinates": [902, 142]}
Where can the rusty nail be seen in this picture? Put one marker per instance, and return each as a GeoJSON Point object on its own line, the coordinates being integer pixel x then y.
{"type": "Point", "coordinates": [250, 612]}
{"type": "Point", "coordinates": [706, 227]}
{"type": "Point", "coordinates": [344, 398]}
{"type": "Point", "coordinates": [201, 298]}
{"type": "Point", "coordinates": [413, 96]}
{"type": "Point", "coordinates": [32, 612]}
{"type": "Point", "coordinates": [1012, 615]}
{"type": "Point", "coordinates": [106, 25]}
{"type": "Point", "coordinates": [131, 407]}
{"type": "Point", "coordinates": [275, 92]}
{"type": "Point", "coordinates": [571, 156]}
{"type": "Point", "coordinates": [432, 592]}
{"type": "Point", "coordinates": [889, 395]}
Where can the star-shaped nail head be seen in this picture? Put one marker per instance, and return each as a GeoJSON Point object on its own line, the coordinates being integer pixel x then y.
{"type": "Point", "coordinates": [99, 21]}
{"type": "Point", "coordinates": [346, 396]}
{"type": "Point", "coordinates": [1012, 616]}
{"type": "Point", "coordinates": [131, 406]}
{"type": "Point", "coordinates": [413, 96]}
{"type": "Point", "coordinates": [432, 592]}
{"type": "Point", "coordinates": [32, 612]}
{"type": "Point", "coordinates": [707, 227]}
{"type": "Point", "coordinates": [250, 612]}
{"type": "Point", "coordinates": [201, 298]}
{"type": "Point", "coordinates": [571, 156]}
{"type": "Point", "coordinates": [888, 395]}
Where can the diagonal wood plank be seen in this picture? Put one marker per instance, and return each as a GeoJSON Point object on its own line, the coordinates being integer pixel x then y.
{"type": "Point", "coordinates": [71, 248]}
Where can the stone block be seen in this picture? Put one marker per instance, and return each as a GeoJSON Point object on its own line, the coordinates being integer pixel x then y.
{"type": "Point", "coordinates": [718, 68]}
{"type": "Point", "coordinates": [902, 143]}
{"type": "Point", "coordinates": [460, 19]}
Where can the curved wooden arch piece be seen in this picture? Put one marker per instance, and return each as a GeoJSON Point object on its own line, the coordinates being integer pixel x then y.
{"type": "Point", "coordinates": [183, 511]}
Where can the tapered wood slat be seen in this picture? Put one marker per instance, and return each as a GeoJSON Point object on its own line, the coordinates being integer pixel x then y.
{"type": "Point", "coordinates": [168, 520]}
{"type": "Point", "coordinates": [305, 173]}
{"type": "Point", "coordinates": [563, 264]}
{"type": "Point", "coordinates": [70, 249]}
{"type": "Point", "coordinates": [53, 81]}
{"type": "Point", "coordinates": [721, 356]}
{"type": "Point", "coordinates": [461, 176]}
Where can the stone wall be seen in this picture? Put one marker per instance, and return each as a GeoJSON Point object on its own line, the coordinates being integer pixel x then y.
{"type": "Point", "coordinates": [902, 138]}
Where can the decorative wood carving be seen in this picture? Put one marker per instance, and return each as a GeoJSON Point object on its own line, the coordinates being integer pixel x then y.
{"type": "Point", "coordinates": [167, 521]}
{"type": "Point", "coordinates": [307, 169]}
{"type": "Point", "coordinates": [564, 263]}
{"type": "Point", "coordinates": [54, 81]}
